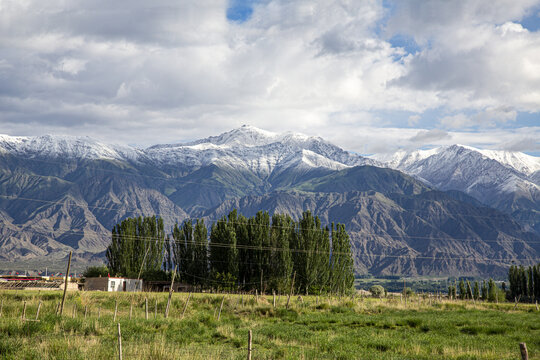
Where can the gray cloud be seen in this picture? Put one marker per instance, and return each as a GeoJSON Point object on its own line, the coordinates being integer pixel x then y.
{"type": "Point", "coordinates": [426, 136]}
{"type": "Point", "coordinates": [526, 143]}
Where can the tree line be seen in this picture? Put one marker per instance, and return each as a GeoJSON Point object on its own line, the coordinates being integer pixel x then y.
{"type": "Point", "coordinates": [486, 290]}
{"type": "Point", "coordinates": [263, 252]}
{"type": "Point", "coordinates": [524, 283]}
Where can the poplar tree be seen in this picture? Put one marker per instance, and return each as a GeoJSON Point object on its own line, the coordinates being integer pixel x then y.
{"type": "Point", "coordinates": [136, 244]}
{"type": "Point", "coordinates": [223, 251]}
{"type": "Point", "coordinates": [461, 289]}
{"type": "Point", "coordinates": [281, 232]}
{"type": "Point", "coordinates": [200, 262]}
{"type": "Point", "coordinates": [492, 291]}
{"type": "Point", "coordinates": [341, 263]}
{"type": "Point", "coordinates": [484, 290]}
{"type": "Point", "coordinates": [476, 291]}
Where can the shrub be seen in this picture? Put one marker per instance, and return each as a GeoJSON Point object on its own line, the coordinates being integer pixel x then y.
{"type": "Point", "coordinates": [96, 271]}
{"type": "Point", "coordinates": [377, 291]}
{"type": "Point", "coordinates": [408, 291]}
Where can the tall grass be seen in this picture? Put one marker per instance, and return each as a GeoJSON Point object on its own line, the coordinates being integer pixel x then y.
{"type": "Point", "coordinates": [312, 328]}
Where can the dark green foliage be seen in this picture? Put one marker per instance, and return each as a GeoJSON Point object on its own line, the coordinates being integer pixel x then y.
{"type": "Point", "coordinates": [484, 290]}
{"type": "Point", "coordinates": [243, 254]}
{"type": "Point", "coordinates": [312, 255]}
{"type": "Point", "coordinates": [280, 234]}
{"type": "Point", "coordinates": [469, 290]}
{"type": "Point", "coordinates": [462, 293]}
{"type": "Point", "coordinates": [476, 291]}
{"type": "Point", "coordinates": [524, 283]}
{"type": "Point", "coordinates": [452, 291]}
{"type": "Point", "coordinates": [341, 267]}
{"type": "Point", "coordinates": [137, 246]}
{"type": "Point", "coordinates": [223, 250]}
{"type": "Point", "coordinates": [492, 291]}
{"type": "Point", "coordinates": [377, 291]}
{"type": "Point", "coordinates": [96, 271]}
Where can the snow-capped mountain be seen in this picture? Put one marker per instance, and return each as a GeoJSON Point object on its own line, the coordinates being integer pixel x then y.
{"type": "Point", "coordinates": [501, 179]}
{"type": "Point", "coordinates": [65, 147]}
{"type": "Point", "coordinates": [247, 147]}
{"type": "Point", "coordinates": [523, 163]}
{"type": "Point", "coordinates": [259, 151]}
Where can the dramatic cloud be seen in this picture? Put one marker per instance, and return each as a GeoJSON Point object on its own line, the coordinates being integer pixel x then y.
{"type": "Point", "coordinates": [151, 72]}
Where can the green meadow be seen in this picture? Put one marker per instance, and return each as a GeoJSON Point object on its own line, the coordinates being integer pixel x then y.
{"type": "Point", "coordinates": [311, 328]}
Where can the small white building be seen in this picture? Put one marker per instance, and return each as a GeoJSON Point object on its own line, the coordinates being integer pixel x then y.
{"type": "Point", "coordinates": [112, 284]}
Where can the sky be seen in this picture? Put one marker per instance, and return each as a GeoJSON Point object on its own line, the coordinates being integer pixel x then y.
{"type": "Point", "coordinates": [370, 76]}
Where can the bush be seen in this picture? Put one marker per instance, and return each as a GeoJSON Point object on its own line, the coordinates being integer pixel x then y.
{"type": "Point", "coordinates": [96, 271]}
{"type": "Point", "coordinates": [408, 291]}
{"type": "Point", "coordinates": [377, 291]}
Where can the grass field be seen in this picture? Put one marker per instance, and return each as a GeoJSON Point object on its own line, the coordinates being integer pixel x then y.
{"type": "Point", "coordinates": [312, 328]}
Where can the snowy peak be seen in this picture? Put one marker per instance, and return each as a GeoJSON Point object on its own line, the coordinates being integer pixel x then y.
{"type": "Point", "coordinates": [71, 147]}
{"type": "Point", "coordinates": [257, 150]}
{"type": "Point", "coordinates": [520, 162]}
{"type": "Point", "coordinates": [244, 136]}
{"type": "Point", "coordinates": [524, 163]}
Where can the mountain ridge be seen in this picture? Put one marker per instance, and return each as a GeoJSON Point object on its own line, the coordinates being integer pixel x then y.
{"type": "Point", "coordinates": [65, 193]}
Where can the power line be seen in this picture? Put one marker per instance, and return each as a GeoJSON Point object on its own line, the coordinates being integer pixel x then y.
{"type": "Point", "coordinates": [297, 228]}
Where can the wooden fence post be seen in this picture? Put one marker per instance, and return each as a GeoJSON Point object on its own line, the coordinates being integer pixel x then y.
{"type": "Point", "coordinates": [115, 309]}
{"type": "Point", "coordinates": [291, 291]}
{"type": "Point", "coordinates": [523, 349]}
{"type": "Point", "coordinates": [2, 307]}
{"type": "Point", "coordinates": [65, 285]}
{"type": "Point", "coordinates": [146, 308]}
{"type": "Point", "coordinates": [170, 294]}
{"type": "Point", "coordinates": [274, 298]}
{"type": "Point", "coordinates": [73, 312]}
{"type": "Point", "coordinates": [23, 316]}
{"type": "Point", "coordinates": [130, 310]}
{"type": "Point", "coordinates": [250, 338]}
{"type": "Point", "coordinates": [186, 305]}
{"type": "Point", "coordinates": [38, 308]}
{"type": "Point", "coordinates": [119, 343]}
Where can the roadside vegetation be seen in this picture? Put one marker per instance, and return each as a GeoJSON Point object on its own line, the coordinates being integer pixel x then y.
{"type": "Point", "coordinates": [321, 327]}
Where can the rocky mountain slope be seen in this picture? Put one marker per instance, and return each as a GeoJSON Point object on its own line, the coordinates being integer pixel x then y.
{"type": "Point", "coordinates": [65, 193]}
{"type": "Point", "coordinates": [505, 180]}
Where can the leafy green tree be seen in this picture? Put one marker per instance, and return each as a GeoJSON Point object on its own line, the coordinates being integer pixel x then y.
{"type": "Point", "coordinates": [377, 291]}
{"type": "Point", "coordinates": [311, 254]}
{"type": "Point", "coordinates": [137, 245]}
{"type": "Point", "coordinates": [476, 291]}
{"type": "Point", "coordinates": [223, 251]}
{"type": "Point", "coordinates": [492, 291]}
{"type": "Point", "coordinates": [96, 271]}
{"type": "Point", "coordinates": [200, 262]}
{"type": "Point", "coordinates": [341, 261]}
{"type": "Point", "coordinates": [462, 291]}
{"type": "Point", "coordinates": [484, 290]}
{"type": "Point", "coordinates": [281, 268]}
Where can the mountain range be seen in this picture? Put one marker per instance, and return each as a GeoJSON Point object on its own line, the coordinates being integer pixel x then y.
{"type": "Point", "coordinates": [451, 210]}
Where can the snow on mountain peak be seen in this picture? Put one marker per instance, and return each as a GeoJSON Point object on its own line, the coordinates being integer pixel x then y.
{"type": "Point", "coordinates": [61, 146]}
{"type": "Point", "coordinates": [403, 159]}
